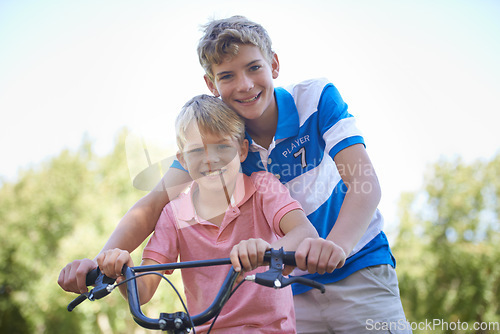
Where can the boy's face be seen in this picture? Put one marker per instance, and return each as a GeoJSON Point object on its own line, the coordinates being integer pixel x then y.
{"type": "Point", "coordinates": [245, 82]}
{"type": "Point", "coordinates": [213, 161]}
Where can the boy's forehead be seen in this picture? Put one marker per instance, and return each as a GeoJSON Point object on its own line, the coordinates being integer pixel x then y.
{"type": "Point", "coordinates": [247, 54]}
{"type": "Point", "coordinates": [196, 135]}
{"type": "Point", "coordinates": [193, 131]}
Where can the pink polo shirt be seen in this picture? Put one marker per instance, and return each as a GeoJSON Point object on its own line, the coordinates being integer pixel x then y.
{"type": "Point", "coordinates": [180, 232]}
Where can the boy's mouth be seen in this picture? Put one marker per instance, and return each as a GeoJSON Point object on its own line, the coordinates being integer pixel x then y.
{"type": "Point", "coordinates": [213, 173]}
{"type": "Point", "coordinates": [250, 99]}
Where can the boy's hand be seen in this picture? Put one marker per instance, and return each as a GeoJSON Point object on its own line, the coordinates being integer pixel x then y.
{"type": "Point", "coordinates": [72, 277]}
{"type": "Point", "coordinates": [111, 263]}
{"type": "Point", "coordinates": [319, 256]}
{"type": "Point", "coordinates": [248, 254]}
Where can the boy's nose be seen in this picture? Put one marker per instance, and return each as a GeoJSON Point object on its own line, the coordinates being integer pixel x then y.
{"type": "Point", "coordinates": [245, 83]}
{"type": "Point", "coordinates": [211, 155]}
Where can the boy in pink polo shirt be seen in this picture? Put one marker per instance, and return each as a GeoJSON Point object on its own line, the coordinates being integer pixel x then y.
{"type": "Point", "coordinates": [223, 212]}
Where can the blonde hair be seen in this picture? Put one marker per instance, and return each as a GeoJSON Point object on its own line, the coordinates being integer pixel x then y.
{"type": "Point", "coordinates": [222, 37]}
{"type": "Point", "coordinates": [212, 116]}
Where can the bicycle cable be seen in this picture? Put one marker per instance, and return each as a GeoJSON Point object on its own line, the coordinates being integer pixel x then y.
{"type": "Point", "coordinates": [220, 310]}
{"type": "Point", "coordinates": [173, 287]}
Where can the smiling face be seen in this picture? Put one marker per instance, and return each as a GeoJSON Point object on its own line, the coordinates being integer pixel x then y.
{"type": "Point", "coordinates": [245, 82]}
{"type": "Point", "coordinates": [212, 160]}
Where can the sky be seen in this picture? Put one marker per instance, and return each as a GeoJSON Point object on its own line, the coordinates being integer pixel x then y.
{"type": "Point", "coordinates": [421, 77]}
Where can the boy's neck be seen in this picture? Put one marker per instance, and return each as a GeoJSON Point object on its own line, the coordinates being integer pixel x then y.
{"type": "Point", "coordinates": [263, 129]}
{"type": "Point", "coordinates": [212, 205]}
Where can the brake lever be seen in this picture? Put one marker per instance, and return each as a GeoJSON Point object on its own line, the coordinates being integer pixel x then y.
{"type": "Point", "coordinates": [103, 287]}
{"type": "Point", "coordinates": [304, 281]}
{"type": "Point", "coordinates": [273, 277]}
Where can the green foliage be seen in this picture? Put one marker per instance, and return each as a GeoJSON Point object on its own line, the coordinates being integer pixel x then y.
{"type": "Point", "coordinates": [447, 247]}
{"type": "Point", "coordinates": [62, 210]}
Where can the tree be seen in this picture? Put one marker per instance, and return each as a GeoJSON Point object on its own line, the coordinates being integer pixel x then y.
{"type": "Point", "coordinates": [448, 245]}
{"type": "Point", "coordinates": [63, 210]}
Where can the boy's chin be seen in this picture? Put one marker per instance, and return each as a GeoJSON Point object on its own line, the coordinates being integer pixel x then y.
{"type": "Point", "coordinates": [211, 183]}
{"type": "Point", "coordinates": [212, 191]}
{"type": "Point", "coordinates": [215, 185]}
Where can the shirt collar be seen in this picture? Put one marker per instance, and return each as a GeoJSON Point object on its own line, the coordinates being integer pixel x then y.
{"type": "Point", "coordinates": [288, 116]}
{"type": "Point", "coordinates": [183, 206]}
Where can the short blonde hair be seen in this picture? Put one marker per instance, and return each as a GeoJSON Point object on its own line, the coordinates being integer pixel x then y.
{"type": "Point", "coordinates": [212, 116]}
{"type": "Point", "coordinates": [222, 37]}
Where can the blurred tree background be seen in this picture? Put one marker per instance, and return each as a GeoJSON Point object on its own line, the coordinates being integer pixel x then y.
{"type": "Point", "coordinates": [447, 246]}
{"type": "Point", "coordinates": [62, 210]}
{"type": "Point", "coordinates": [66, 208]}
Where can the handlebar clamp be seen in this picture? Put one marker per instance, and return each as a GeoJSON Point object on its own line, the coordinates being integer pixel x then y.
{"type": "Point", "coordinates": [177, 320]}
{"type": "Point", "coordinates": [272, 277]}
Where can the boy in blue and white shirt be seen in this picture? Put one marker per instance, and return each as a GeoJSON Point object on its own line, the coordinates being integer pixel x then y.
{"type": "Point", "coordinates": [305, 136]}
{"type": "Point", "coordinates": [313, 126]}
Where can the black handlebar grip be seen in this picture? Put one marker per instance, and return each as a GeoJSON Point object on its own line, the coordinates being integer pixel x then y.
{"type": "Point", "coordinates": [96, 277]}
{"type": "Point", "coordinates": [92, 276]}
{"type": "Point", "coordinates": [77, 301]}
{"type": "Point", "coordinates": [289, 259]}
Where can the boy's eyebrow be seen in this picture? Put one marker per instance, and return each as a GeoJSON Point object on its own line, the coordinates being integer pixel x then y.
{"type": "Point", "coordinates": [223, 73]}
{"type": "Point", "coordinates": [223, 140]}
{"type": "Point", "coordinates": [247, 65]}
{"type": "Point", "coordinates": [253, 62]}
{"type": "Point", "coordinates": [197, 145]}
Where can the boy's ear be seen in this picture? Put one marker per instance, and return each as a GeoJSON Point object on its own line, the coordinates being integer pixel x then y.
{"type": "Point", "coordinates": [211, 86]}
{"type": "Point", "coordinates": [244, 150]}
{"type": "Point", "coordinates": [275, 66]}
{"type": "Point", "coordinates": [180, 158]}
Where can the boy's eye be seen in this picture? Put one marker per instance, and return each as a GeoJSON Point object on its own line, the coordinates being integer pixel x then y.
{"type": "Point", "coordinates": [195, 151]}
{"type": "Point", "coordinates": [225, 77]}
{"type": "Point", "coordinates": [255, 68]}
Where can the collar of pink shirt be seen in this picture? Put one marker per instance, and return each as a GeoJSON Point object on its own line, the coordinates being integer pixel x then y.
{"type": "Point", "coordinates": [184, 209]}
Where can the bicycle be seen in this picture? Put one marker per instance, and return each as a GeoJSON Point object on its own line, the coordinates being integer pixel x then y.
{"type": "Point", "coordinates": [183, 322]}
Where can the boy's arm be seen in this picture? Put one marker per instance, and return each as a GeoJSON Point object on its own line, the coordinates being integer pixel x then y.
{"type": "Point", "coordinates": [361, 199]}
{"type": "Point", "coordinates": [360, 203]}
{"type": "Point", "coordinates": [135, 226]}
{"type": "Point", "coordinates": [295, 227]}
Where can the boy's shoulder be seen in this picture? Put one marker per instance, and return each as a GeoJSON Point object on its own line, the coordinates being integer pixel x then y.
{"type": "Point", "coordinates": [310, 87]}
{"type": "Point", "coordinates": [308, 94]}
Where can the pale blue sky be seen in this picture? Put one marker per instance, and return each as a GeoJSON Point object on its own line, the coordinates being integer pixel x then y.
{"type": "Point", "coordinates": [422, 77]}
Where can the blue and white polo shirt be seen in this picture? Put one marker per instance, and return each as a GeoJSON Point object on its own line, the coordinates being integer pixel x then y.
{"type": "Point", "coordinates": [313, 126]}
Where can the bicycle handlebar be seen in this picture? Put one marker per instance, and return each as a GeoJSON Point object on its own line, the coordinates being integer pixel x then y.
{"type": "Point", "coordinates": [180, 320]}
